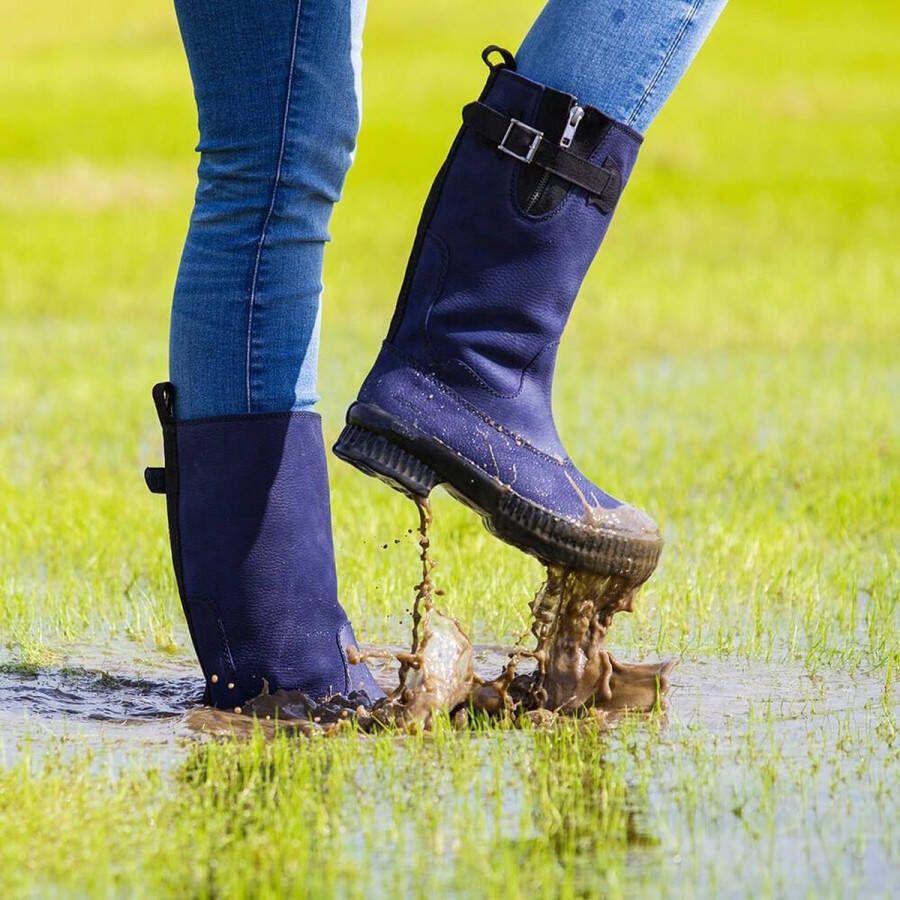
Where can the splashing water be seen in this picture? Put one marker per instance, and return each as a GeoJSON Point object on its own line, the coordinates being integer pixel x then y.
{"type": "Point", "coordinates": [573, 672]}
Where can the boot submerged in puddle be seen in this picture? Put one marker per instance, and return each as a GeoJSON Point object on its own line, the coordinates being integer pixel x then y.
{"type": "Point", "coordinates": [461, 391]}
{"type": "Point", "coordinates": [250, 528]}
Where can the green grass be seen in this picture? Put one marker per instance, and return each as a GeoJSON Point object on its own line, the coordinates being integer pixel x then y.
{"type": "Point", "coordinates": [731, 366]}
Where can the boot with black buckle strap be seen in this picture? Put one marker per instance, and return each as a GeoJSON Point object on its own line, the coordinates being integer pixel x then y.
{"type": "Point", "coordinates": [460, 394]}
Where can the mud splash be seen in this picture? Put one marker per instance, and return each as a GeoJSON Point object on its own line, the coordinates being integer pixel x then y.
{"type": "Point", "coordinates": [570, 669]}
{"type": "Point", "coordinates": [438, 672]}
{"type": "Point", "coordinates": [572, 615]}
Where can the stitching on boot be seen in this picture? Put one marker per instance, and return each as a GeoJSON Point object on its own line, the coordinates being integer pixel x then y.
{"type": "Point", "coordinates": [344, 661]}
{"type": "Point", "coordinates": [483, 384]}
{"type": "Point", "coordinates": [226, 647]}
{"type": "Point", "coordinates": [494, 425]}
{"type": "Point", "coordinates": [437, 291]}
{"type": "Point", "coordinates": [251, 417]}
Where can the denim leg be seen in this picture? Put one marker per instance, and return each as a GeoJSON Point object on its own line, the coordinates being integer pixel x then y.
{"type": "Point", "coordinates": [622, 56]}
{"type": "Point", "coordinates": [277, 91]}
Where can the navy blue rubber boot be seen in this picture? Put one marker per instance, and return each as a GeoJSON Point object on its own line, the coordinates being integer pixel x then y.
{"type": "Point", "coordinates": [250, 529]}
{"type": "Point", "coordinates": [460, 394]}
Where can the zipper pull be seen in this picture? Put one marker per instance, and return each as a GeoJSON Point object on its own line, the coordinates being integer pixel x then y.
{"type": "Point", "coordinates": [568, 135]}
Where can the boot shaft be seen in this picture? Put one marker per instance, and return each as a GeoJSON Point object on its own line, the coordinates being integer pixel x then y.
{"type": "Point", "coordinates": [504, 244]}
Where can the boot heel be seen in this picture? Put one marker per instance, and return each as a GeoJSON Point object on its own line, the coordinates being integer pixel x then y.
{"type": "Point", "coordinates": [376, 455]}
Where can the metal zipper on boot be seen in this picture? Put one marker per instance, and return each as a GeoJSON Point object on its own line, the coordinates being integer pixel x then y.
{"type": "Point", "coordinates": [537, 192]}
{"type": "Point", "coordinates": [576, 114]}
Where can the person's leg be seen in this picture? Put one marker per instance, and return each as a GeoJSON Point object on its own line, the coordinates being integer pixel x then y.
{"type": "Point", "coordinates": [277, 90]}
{"type": "Point", "coordinates": [624, 57]}
{"type": "Point", "coordinates": [245, 476]}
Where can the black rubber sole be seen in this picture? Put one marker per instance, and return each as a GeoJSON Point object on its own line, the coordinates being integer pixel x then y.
{"type": "Point", "coordinates": [414, 464]}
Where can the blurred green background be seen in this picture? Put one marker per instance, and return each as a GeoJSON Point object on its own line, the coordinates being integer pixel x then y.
{"type": "Point", "coordinates": [731, 365]}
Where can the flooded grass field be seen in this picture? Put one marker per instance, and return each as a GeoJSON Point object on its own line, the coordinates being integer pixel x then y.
{"type": "Point", "coordinates": [731, 367]}
{"type": "Point", "coordinates": [797, 766]}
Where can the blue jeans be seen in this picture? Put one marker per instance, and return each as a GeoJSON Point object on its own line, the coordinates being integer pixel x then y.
{"type": "Point", "coordinates": [277, 90]}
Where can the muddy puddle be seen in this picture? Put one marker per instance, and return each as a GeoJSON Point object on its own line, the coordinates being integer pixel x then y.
{"type": "Point", "coordinates": [102, 697]}
{"type": "Point", "coordinates": [154, 711]}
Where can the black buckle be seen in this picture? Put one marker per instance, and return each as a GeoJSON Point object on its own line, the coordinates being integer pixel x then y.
{"type": "Point", "coordinates": [533, 136]}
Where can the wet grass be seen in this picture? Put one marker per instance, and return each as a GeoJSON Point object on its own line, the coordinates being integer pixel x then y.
{"type": "Point", "coordinates": [563, 813]}
{"type": "Point", "coordinates": [731, 367]}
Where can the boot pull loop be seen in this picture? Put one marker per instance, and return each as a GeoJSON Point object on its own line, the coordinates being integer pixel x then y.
{"type": "Point", "coordinates": [155, 479]}
{"type": "Point", "coordinates": [164, 400]}
{"type": "Point", "coordinates": [508, 61]}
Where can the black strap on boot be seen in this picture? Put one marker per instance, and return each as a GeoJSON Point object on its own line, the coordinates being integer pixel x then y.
{"type": "Point", "coordinates": [528, 145]}
{"type": "Point", "coordinates": [158, 478]}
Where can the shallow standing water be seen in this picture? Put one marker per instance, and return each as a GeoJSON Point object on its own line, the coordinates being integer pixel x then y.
{"type": "Point", "coordinates": [101, 698]}
{"type": "Point", "coordinates": [728, 719]}
{"type": "Point", "coordinates": [725, 719]}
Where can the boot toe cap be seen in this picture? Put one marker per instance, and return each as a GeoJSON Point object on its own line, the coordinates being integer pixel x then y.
{"type": "Point", "coordinates": [625, 520]}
